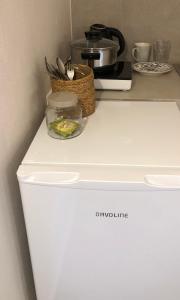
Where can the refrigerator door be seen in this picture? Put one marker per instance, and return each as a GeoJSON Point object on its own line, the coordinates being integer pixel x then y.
{"type": "Point", "coordinates": [106, 241]}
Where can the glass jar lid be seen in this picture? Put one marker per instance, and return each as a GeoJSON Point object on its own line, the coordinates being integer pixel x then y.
{"type": "Point", "coordinates": [62, 99]}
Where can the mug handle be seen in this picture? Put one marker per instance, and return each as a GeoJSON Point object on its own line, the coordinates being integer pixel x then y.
{"type": "Point", "coordinates": [134, 53]}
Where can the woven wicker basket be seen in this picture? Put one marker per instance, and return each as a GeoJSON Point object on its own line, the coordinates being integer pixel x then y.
{"type": "Point", "coordinates": [82, 85]}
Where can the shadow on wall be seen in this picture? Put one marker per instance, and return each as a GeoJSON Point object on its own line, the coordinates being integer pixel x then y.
{"type": "Point", "coordinates": [38, 95]}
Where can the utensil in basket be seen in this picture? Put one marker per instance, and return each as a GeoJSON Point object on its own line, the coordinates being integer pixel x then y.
{"type": "Point", "coordinates": [54, 72]}
{"type": "Point", "coordinates": [61, 68]}
{"type": "Point", "coordinates": [70, 70]}
{"type": "Point", "coordinates": [49, 70]}
{"type": "Point", "coordinates": [78, 70]}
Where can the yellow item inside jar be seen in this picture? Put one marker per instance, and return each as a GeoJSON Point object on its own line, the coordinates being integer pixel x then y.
{"type": "Point", "coordinates": [64, 127]}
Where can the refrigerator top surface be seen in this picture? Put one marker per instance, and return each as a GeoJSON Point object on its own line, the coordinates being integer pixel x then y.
{"type": "Point", "coordinates": [124, 133]}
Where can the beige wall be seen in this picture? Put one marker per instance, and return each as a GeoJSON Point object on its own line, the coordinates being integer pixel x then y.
{"type": "Point", "coordinates": [29, 30]}
{"type": "Point", "coordinates": [139, 20]}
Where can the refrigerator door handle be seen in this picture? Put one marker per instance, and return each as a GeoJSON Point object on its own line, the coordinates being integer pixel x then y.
{"type": "Point", "coordinates": [163, 181]}
{"type": "Point", "coordinates": [50, 178]}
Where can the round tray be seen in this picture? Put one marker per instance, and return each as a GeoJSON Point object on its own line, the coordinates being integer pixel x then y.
{"type": "Point", "coordinates": [152, 68]}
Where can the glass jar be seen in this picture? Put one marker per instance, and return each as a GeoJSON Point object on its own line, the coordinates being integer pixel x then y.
{"type": "Point", "coordinates": [63, 115]}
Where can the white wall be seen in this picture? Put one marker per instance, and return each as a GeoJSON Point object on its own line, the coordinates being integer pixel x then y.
{"type": "Point", "coordinates": [29, 30]}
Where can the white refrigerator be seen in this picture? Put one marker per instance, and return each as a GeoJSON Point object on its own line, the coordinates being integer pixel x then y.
{"type": "Point", "coordinates": [102, 210]}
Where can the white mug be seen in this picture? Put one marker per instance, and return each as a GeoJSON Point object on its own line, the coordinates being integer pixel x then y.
{"type": "Point", "coordinates": [141, 52]}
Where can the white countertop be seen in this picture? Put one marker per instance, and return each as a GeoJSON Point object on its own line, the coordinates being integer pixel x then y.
{"type": "Point", "coordinates": [155, 88]}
